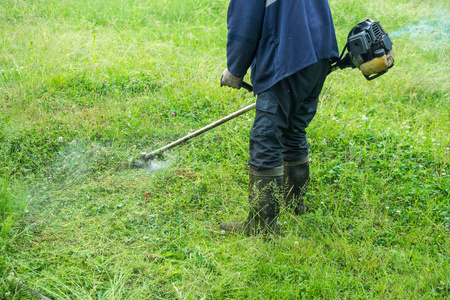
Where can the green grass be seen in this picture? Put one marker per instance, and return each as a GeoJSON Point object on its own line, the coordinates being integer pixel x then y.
{"type": "Point", "coordinates": [87, 85]}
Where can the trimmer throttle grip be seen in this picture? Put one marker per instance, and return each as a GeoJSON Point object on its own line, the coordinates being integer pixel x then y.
{"type": "Point", "coordinates": [247, 86]}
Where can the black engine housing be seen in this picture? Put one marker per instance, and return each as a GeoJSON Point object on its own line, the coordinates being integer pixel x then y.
{"type": "Point", "coordinates": [366, 41]}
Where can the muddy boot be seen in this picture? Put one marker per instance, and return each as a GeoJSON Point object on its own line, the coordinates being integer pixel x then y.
{"type": "Point", "coordinates": [296, 179]}
{"type": "Point", "coordinates": [264, 190]}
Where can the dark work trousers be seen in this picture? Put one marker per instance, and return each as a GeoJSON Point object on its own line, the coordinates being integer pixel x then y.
{"type": "Point", "coordinates": [283, 113]}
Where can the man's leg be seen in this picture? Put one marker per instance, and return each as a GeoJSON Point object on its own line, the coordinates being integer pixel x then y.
{"type": "Point", "coordinates": [295, 152]}
{"type": "Point", "coordinates": [264, 191]}
{"type": "Point", "coordinates": [296, 179]}
{"type": "Point", "coordinates": [276, 109]}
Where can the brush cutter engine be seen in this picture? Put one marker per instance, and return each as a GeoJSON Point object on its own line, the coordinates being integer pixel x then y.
{"type": "Point", "coordinates": [369, 49]}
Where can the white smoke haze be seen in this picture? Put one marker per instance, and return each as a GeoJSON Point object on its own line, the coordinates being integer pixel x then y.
{"type": "Point", "coordinates": [79, 159]}
{"type": "Point", "coordinates": [432, 33]}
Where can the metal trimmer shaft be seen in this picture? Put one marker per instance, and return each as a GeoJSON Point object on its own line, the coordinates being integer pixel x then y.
{"type": "Point", "coordinates": [159, 152]}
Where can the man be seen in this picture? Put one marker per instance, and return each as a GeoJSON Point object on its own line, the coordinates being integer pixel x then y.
{"type": "Point", "coordinates": [288, 44]}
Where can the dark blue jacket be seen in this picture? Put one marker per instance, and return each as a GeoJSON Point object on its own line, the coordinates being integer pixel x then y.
{"type": "Point", "coordinates": [277, 38]}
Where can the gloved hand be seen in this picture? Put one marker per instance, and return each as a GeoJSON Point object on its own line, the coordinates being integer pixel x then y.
{"type": "Point", "coordinates": [228, 79]}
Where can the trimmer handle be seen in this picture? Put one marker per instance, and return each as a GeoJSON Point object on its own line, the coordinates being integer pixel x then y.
{"type": "Point", "coordinates": [247, 86]}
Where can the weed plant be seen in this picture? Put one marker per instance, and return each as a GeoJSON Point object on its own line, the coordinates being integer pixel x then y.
{"type": "Point", "coordinates": [86, 86]}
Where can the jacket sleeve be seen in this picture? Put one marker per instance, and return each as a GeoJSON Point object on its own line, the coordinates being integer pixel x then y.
{"type": "Point", "coordinates": [244, 21]}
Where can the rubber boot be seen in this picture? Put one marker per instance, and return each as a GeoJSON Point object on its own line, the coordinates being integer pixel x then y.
{"type": "Point", "coordinates": [265, 188]}
{"type": "Point", "coordinates": [296, 179]}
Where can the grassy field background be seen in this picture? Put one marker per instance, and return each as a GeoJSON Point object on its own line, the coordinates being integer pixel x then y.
{"type": "Point", "coordinates": [85, 86]}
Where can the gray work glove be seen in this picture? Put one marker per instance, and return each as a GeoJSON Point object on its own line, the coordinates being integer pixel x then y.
{"type": "Point", "coordinates": [228, 79]}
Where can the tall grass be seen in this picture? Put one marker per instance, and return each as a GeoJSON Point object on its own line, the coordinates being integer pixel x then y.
{"type": "Point", "coordinates": [10, 209]}
{"type": "Point", "coordinates": [85, 86]}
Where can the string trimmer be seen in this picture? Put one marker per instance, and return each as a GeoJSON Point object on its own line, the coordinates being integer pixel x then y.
{"type": "Point", "coordinates": [369, 49]}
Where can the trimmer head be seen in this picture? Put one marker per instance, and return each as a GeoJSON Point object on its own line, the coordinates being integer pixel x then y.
{"type": "Point", "coordinates": [144, 161]}
{"type": "Point", "coordinates": [140, 164]}
{"type": "Point", "coordinates": [152, 155]}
